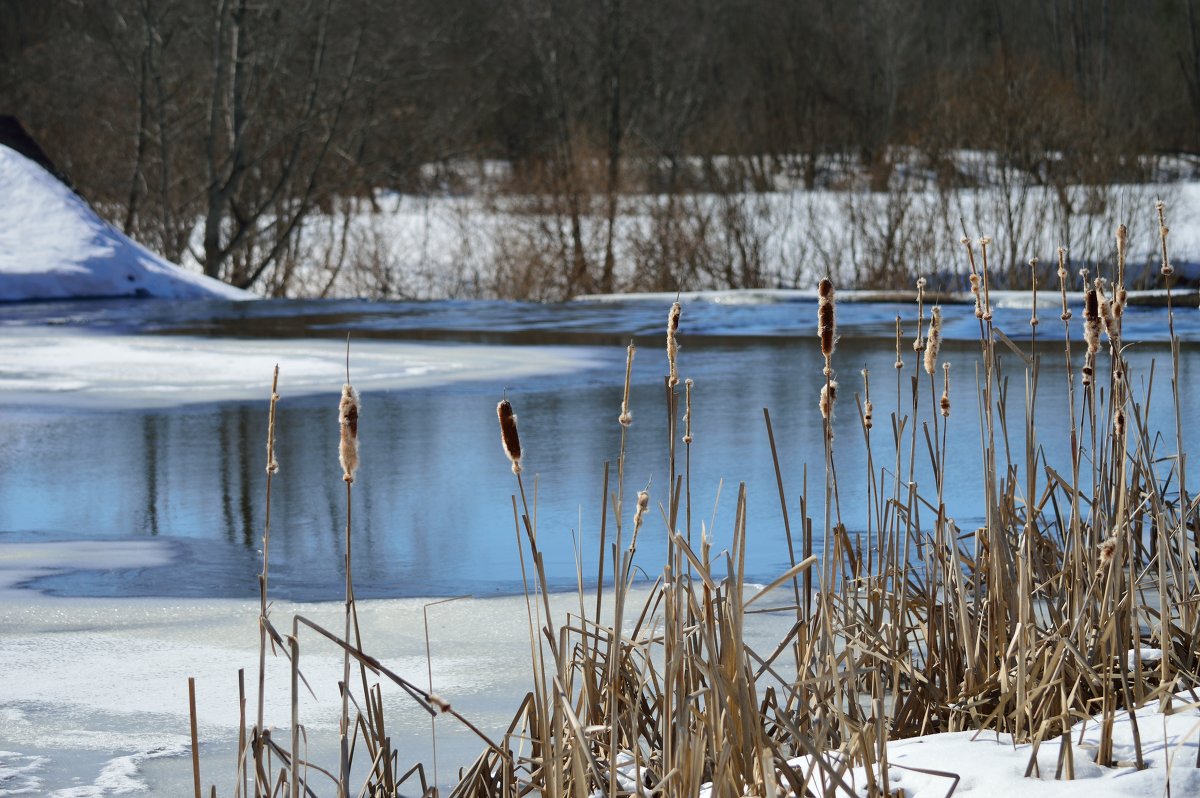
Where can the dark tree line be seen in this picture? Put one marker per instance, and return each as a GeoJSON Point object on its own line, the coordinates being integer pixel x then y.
{"type": "Point", "coordinates": [216, 129]}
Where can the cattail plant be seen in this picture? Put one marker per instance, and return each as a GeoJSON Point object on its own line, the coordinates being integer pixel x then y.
{"type": "Point", "coordinates": [826, 322]}
{"type": "Point", "coordinates": [1119, 293]}
{"type": "Point", "coordinates": [935, 340]}
{"type": "Point", "coordinates": [672, 343]}
{"type": "Point", "coordinates": [509, 439]}
{"type": "Point", "coordinates": [1091, 332]}
{"type": "Point", "coordinates": [868, 408]}
{"type": "Point", "coordinates": [919, 342]}
{"type": "Point", "coordinates": [945, 401]}
{"type": "Point", "coordinates": [687, 413]}
{"type": "Point", "coordinates": [984, 242]}
{"type": "Point", "coordinates": [899, 364]}
{"type": "Point", "coordinates": [626, 417]}
{"type": "Point", "coordinates": [1108, 316]}
{"type": "Point", "coordinates": [348, 411]}
{"type": "Point", "coordinates": [639, 515]}
{"type": "Point", "coordinates": [1033, 318]}
{"type": "Point", "coordinates": [1160, 207]}
{"type": "Point", "coordinates": [828, 397]}
{"type": "Point", "coordinates": [1062, 282]}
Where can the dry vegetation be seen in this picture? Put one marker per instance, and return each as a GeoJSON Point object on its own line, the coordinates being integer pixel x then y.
{"type": "Point", "coordinates": [1025, 625]}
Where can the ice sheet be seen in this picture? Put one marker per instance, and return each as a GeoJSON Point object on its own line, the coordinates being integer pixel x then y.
{"type": "Point", "coordinates": [46, 366]}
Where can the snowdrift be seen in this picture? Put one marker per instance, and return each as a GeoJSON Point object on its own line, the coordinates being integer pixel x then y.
{"type": "Point", "coordinates": [54, 246]}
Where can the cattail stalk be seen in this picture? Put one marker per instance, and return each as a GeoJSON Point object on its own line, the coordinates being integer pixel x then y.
{"type": "Point", "coordinates": [1062, 282]}
{"type": "Point", "coordinates": [1033, 318]}
{"type": "Point", "coordinates": [272, 470]}
{"type": "Point", "coordinates": [1119, 294]}
{"type": "Point", "coordinates": [626, 417]}
{"type": "Point", "coordinates": [1167, 269]}
{"type": "Point", "coordinates": [899, 364]}
{"type": "Point", "coordinates": [987, 300]}
{"type": "Point", "coordinates": [945, 401]}
{"type": "Point", "coordinates": [509, 438]}
{"type": "Point", "coordinates": [639, 514]}
{"type": "Point", "coordinates": [687, 413]}
{"type": "Point", "coordinates": [672, 343]}
{"type": "Point", "coordinates": [919, 343]}
{"type": "Point", "coordinates": [868, 408]}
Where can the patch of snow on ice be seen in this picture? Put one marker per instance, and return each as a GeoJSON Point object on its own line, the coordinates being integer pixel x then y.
{"type": "Point", "coordinates": [22, 562]}
{"type": "Point", "coordinates": [60, 367]}
{"type": "Point", "coordinates": [18, 773]}
{"type": "Point", "coordinates": [120, 775]}
{"type": "Point", "coordinates": [54, 246]}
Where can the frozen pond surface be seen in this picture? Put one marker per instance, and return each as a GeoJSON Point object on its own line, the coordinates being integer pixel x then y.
{"type": "Point", "coordinates": [138, 435]}
{"type": "Point", "coordinates": [132, 487]}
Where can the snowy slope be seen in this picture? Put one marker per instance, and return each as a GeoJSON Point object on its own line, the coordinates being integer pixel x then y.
{"type": "Point", "coordinates": [53, 246]}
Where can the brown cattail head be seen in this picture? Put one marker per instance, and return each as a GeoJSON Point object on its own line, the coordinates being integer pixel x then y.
{"type": "Point", "coordinates": [1167, 269]}
{"type": "Point", "coordinates": [1119, 423]}
{"type": "Point", "coordinates": [978, 296]}
{"type": "Point", "coordinates": [828, 397]}
{"type": "Point", "coordinates": [1091, 311]}
{"type": "Point", "coordinates": [687, 415]}
{"type": "Point", "coordinates": [626, 417]}
{"type": "Point", "coordinates": [945, 402]}
{"type": "Point", "coordinates": [826, 321]}
{"type": "Point", "coordinates": [672, 343]}
{"type": "Point", "coordinates": [1091, 333]}
{"type": "Point", "coordinates": [508, 434]}
{"type": "Point", "coordinates": [935, 340]}
{"type": "Point", "coordinates": [348, 410]}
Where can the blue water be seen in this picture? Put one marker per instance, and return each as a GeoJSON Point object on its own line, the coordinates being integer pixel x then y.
{"type": "Point", "coordinates": [433, 504]}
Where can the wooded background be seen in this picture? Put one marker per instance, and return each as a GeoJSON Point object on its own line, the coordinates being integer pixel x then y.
{"type": "Point", "coordinates": [218, 131]}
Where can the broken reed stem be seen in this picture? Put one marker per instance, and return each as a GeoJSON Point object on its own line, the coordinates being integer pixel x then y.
{"type": "Point", "coordinates": [272, 469]}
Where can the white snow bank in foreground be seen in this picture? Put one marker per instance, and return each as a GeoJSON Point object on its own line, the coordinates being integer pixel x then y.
{"type": "Point", "coordinates": [53, 246]}
{"type": "Point", "coordinates": [989, 765]}
{"type": "Point", "coordinates": [50, 366]}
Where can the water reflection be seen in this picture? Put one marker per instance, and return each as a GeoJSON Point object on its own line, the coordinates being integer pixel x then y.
{"type": "Point", "coordinates": [433, 513]}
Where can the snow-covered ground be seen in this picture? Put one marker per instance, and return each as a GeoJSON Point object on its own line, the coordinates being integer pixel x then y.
{"type": "Point", "coordinates": [54, 246]}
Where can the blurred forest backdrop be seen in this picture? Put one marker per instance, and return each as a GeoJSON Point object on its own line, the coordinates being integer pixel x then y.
{"type": "Point", "coordinates": [547, 148]}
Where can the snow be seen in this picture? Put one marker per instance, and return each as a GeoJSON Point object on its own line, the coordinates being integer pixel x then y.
{"type": "Point", "coordinates": [990, 765]}
{"type": "Point", "coordinates": [23, 562]}
{"type": "Point", "coordinates": [54, 246]}
{"type": "Point", "coordinates": [50, 366]}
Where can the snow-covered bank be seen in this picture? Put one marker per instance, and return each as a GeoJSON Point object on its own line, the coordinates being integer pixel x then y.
{"type": "Point", "coordinates": [990, 765]}
{"type": "Point", "coordinates": [53, 246]}
{"type": "Point", "coordinates": [50, 366]}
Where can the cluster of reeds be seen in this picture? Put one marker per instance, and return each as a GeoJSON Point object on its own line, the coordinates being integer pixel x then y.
{"type": "Point", "coordinates": [901, 625]}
